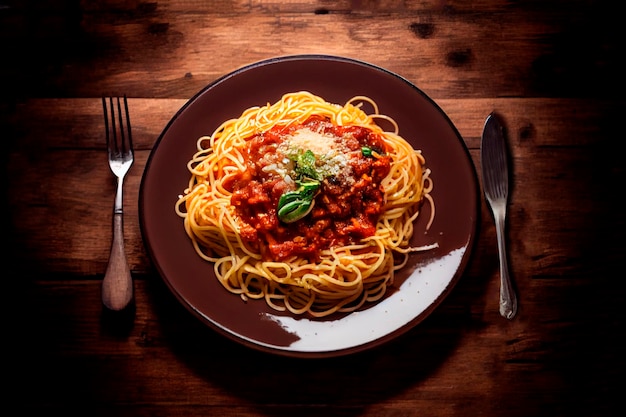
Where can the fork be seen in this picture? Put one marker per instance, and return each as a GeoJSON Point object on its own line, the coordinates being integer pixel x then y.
{"type": "Point", "coordinates": [117, 285]}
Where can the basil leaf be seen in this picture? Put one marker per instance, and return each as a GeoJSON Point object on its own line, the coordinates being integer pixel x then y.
{"type": "Point", "coordinates": [295, 210]}
{"type": "Point", "coordinates": [305, 165]}
{"type": "Point", "coordinates": [287, 198]}
{"type": "Point", "coordinates": [294, 205]}
{"type": "Point", "coordinates": [307, 189]}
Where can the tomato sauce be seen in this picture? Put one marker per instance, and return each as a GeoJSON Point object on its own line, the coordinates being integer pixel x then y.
{"type": "Point", "coordinates": [346, 207]}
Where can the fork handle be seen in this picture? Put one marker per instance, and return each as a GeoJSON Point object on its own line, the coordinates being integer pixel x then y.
{"type": "Point", "coordinates": [508, 298]}
{"type": "Point", "coordinates": [117, 285]}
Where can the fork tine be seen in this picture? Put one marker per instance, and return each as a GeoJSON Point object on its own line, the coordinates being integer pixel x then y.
{"type": "Point", "coordinates": [124, 145]}
{"type": "Point", "coordinates": [128, 129]}
{"type": "Point", "coordinates": [110, 125]}
{"type": "Point", "coordinates": [116, 143]}
{"type": "Point", "coordinates": [106, 123]}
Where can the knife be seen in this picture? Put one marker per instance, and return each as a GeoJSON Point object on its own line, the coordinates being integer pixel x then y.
{"type": "Point", "coordinates": [495, 174]}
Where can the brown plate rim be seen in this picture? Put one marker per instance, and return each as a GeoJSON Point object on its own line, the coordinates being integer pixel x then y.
{"type": "Point", "coordinates": [221, 310]}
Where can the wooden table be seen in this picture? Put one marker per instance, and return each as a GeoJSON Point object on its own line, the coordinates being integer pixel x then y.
{"type": "Point", "coordinates": [551, 68]}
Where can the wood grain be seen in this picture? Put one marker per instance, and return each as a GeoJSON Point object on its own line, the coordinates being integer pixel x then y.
{"type": "Point", "coordinates": [173, 49]}
{"type": "Point", "coordinates": [552, 69]}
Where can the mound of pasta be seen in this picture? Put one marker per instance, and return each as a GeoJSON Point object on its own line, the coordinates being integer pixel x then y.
{"type": "Point", "coordinates": [307, 204]}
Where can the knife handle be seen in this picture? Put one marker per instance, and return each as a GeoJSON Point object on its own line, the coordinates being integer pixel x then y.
{"type": "Point", "coordinates": [508, 298]}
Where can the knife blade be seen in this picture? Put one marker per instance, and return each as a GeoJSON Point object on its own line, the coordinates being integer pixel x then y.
{"type": "Point", "coordinates": [495, 175]}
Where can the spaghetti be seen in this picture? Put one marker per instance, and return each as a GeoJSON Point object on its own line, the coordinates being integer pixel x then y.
{"type": "Point", "coordinates": [306, 204]}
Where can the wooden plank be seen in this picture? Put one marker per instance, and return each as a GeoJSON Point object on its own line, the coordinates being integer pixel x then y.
{"type": "Point", "coordinates": [543, 123]}
{"type": "Point", "coordinates": [93, 50]}
{"type": "Point", "coordinates": [205, 371]}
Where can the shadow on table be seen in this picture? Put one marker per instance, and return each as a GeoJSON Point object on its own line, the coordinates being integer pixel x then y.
{"type": "Point", "coordinates": [352, 383]}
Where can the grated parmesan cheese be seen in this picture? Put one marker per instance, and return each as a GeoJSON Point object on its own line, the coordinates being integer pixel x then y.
{"type": "Point", "coordinates": [318, 143]}
{"type": "Point", "coordinates": [330, 152]}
